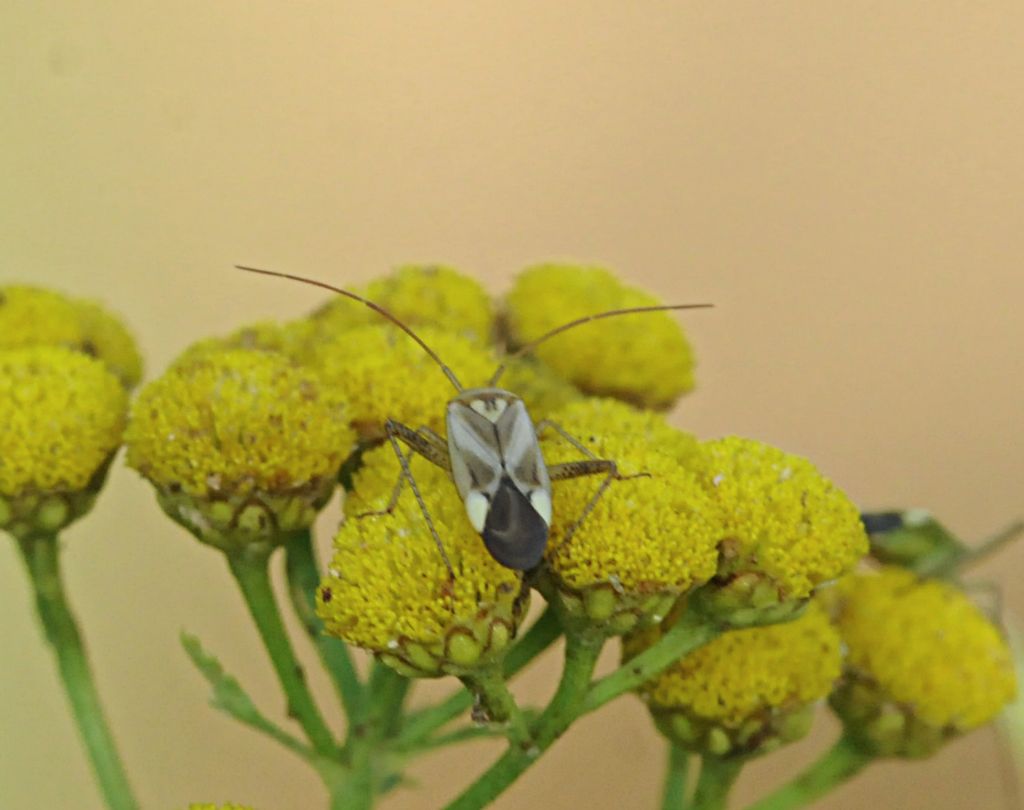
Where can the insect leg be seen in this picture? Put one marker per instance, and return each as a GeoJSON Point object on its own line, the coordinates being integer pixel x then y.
{"type": "Point", "coordinates": [431, 450]}
{"type": "Point", "coordinates": [589, 466]}
{"type": "Point", "coordinates": [565, 434]}
{"type": "Point", "coordinates": [424, 442]}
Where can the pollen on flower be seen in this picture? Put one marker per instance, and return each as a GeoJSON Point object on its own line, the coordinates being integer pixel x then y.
{"type": "Point", "coordinates": [33, 316]}
{"type": "Point", "coordinates": [923, 648]}
{"type": "Point", "coordinates": [645, 359]}
{"type": "Point", "coordinates": [389, 590]}
{"type": "Point", "coordinates": [62, 414]}
{"type": "Point", "coordinates": [229, 806]}
{"type": "Point", "coordinates": [418, 295]}
{"type": "Point", "coordinates": [291, 339]}
{"type": "Point", "coordinates": [236, 421]}
{"type": "Point", "coordinates": [782, 520]}
{"type": "Point", "coordinates": [383, 373]}
{"type": "Point", "coordinates": [748, 687]}
{"type": "Point", "coordinates": [651, 534]}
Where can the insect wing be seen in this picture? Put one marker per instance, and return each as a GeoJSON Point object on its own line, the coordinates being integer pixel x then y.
{"type": "Point", "coordinates": [500, 474]}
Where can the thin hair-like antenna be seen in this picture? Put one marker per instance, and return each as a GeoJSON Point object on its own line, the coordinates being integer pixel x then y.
{"type": "Point", "coordinates": [375, 307]}
{"type": "Point", "coordinates": [533, 344]}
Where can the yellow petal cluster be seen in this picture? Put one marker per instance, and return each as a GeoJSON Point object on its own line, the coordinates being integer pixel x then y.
{"type": "Point", "coordinates": [383, 373]}
{"type": "Point", "coordinates": [787, 529]}
{"type": "Point", "coordinates": [651, 535]}
{"type": "Point", "coordinates": [236, 421]}
{"type": "Point", "coordinates": [542, 390]}
{"type": "Point", "coordinates": [62, 415]}
{"type": "Point", "coordinates": [292, 340]}
{"type": "Point", "coordinates": [748, 671]}
{"type": "Point", "coordinates": [387, 588]}
{"type": "Point", "coordinates": [33, 316]}
{"type": "Point", "coordinates": [919, 651]}
{"type": "Point", "coordinates": [229, 806]}
{"type": "Point", "coordinates": [644, 359]}
{"type": "Point", "coordinates": [418, 295]}
{"type": "Point", "coordinates": [748, 690]}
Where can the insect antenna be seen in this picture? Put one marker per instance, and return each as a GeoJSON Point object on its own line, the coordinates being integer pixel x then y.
{"type": "Point", "coordinates": [375, 307]}
{"type": "Point", "coordinates": [533, 344]}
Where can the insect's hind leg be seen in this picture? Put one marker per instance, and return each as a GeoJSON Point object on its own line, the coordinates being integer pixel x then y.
{"type": "Point", "coordinates": [589, 466]}
{"type": "Point", "coordinates": [429, 445]}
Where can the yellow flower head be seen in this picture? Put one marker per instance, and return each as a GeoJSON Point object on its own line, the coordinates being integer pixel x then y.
{"type": "Point", "coordinates": [383, 373]}
{"type": "Point", "coordinates": [418, 295]}
{"type": "Point", "coordinates": [749, 690]}
{"type": "Point", "coordinates": [924, 663]}
{"type": "Point", "coordinates": [292, 340]}
{"type": "Point", "coordinates": [650, 538]}
{"type": "Point", "coordinates": [387, 588]}
{"type": "Point", "coordinates": [228, 806]}
{"type": "Point", "coordinates": [644, 359]}
{"type": "Point", "coordinates": [244, 437]}
{"type": "Point", "coordinates": [787, 529]}
{"type": "Point", "coordinates": [63, 415]}
{"type": "Point", "coordinates": [32, 316]}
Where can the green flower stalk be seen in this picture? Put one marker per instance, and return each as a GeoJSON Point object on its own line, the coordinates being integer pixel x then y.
{"type": "Point", "coordinates": [63, 414]}
{"type": "Point", "coordinates": [652, 535]}
{"type": "Point", "coordinates": [645, 360]}
{"type": "Point", "coordinates": [33, 316]}
{"type": "Point", "coordinates": [243, 449]}
{"type": "Point", "coordinates": [787, 531]}
{"type": "Point", "coordinates": [924, 666]}
{"type": "Point", "coordinates": [418, 295]}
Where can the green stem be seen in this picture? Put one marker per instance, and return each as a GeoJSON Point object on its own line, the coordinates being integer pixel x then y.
{"type": "Point", "coordinates": [717, 776]}
{"type": "Point", "coordinates": [581, 652]}
{"type": "Point", "coordinates": [388, 690]}
{"type": "Point", "coordinates": [541, 635]}
{"type": "Point", "coordinates": [673, 796]}
{"type": "Point", "coordinates": [845, 760]}
{"type": "Point", "coordinates": [689, 633]}
{"type": "Point", "coordinates": [303, 580]}
{"type": "Point", "coordinates": [492, 691]}
{"type": "Point", "coordinates": [251, 571]}
{"type": "Point", "coordinates": [41, 556]}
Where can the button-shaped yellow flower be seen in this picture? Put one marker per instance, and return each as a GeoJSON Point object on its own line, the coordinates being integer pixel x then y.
{"type": "Point", "coordinates": [539, 386]}
{"type": "Point", "coordinates": [650, 538]}
{"type": "Point", "coordinates": [229, 806]}
{"type": "Point", "coordinates": [63, 415]}
{"type": "Point", "coordinates": [383, 373]}
{"type": "Point", "coordinates": [924, 663]}
{"type": "Point", "coordinates": [387, 588]}
{"type": "Point", "coordinates": [644, 359]}
{"type": "Point", "coordinates": [418, 295]}
{"type": "Point", "coordinates": [787, 529]}
{"type": "Point", "coordinates": [242, 446]}
{"type": "Point", "coordinates": [33, 316]}
{"type": "Point", "coordinates": [748, 691]}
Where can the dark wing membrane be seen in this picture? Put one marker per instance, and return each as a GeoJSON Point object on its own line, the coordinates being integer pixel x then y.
{"type": "Point", "coordinates": [514, 533]}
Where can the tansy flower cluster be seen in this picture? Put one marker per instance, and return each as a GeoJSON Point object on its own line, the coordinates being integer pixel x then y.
{"type": "Point", "coordinates": [924, 664]}
{"type": "Point", "coordinates": [726, 567]}
{"type": "Point", "coordinates": [748, 691]}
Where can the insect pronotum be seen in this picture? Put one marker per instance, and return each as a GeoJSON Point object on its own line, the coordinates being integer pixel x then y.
{"type": "Point", "coordinates": [491, 452]}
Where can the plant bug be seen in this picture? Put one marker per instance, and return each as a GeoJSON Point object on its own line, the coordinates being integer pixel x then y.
{"type": "Point", "coordinates": [492, 452]}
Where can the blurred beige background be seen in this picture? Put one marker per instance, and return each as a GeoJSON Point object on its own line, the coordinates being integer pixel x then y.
{"type": "Point", "coordinates": [844, 180]}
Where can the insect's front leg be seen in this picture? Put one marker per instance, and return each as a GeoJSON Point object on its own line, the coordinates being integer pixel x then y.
{"type": "Point", "coordinates": [588, 466]}
{"type": "Point", "coordinates": [428, 444]}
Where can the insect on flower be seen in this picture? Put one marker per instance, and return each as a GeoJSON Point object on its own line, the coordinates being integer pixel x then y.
{"type": "Point", "coordinates": [491, 451]}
